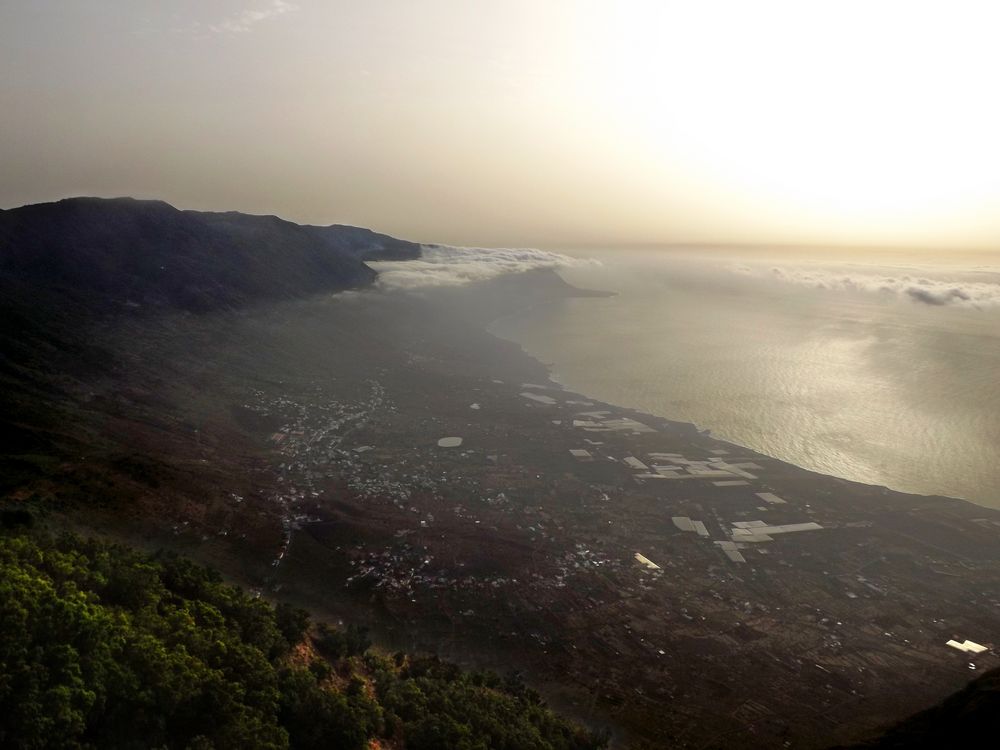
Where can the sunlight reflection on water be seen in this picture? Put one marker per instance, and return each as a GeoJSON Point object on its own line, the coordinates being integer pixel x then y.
{"type": "Point", "coordinates": [856, 383]}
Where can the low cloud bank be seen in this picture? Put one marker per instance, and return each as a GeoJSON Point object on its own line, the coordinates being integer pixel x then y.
{"type": "Point", "coordinates": [905, 285]}
{"type": "Point", "coordinates": [454, 266]}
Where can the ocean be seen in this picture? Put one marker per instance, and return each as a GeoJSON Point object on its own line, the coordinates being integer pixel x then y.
{"type": "Point", "coordinates": [882, 368]}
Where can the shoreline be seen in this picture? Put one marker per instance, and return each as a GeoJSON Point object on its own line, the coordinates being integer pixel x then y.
{"type": "Point", "coordinates": [732, 441]}
{"type": "Point", "coordinates": [708, 432]}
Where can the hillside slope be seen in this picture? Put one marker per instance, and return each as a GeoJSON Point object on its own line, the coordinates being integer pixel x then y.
{"type": "Point", "coordinates": [969, 718]}
{"type": "Point", "coordinates": [108, 255]}
{"type": "Point", "coordinates": [103, 647]}
{"type": "Point", "coordinates": [75, 270]}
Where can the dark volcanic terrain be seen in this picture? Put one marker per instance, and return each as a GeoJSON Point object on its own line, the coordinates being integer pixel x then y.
{"type": "Point", "coordinates": [201, 382]}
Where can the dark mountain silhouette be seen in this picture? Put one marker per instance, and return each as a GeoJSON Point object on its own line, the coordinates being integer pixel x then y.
{"type": "Point", "coordinates": [105, 256]}
{"type": "Point", "coordinates": [88, 285]}
{"type": "Point", "coordinates": [969, 718]}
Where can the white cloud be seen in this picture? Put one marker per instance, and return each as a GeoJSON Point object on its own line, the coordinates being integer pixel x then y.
{"type": "Point", "coordinates": [929, 287]}
{"type": "Point", "coordinates": [247, 19]}
{"type": "Point", "coordinates": [454, 266]}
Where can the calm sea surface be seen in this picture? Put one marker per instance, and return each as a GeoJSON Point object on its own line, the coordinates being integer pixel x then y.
{"type": "Point", "coordinates": [886, 373]}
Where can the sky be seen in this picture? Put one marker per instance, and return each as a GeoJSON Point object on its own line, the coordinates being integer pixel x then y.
{"type": "Point", "coordinates": [523, 122]}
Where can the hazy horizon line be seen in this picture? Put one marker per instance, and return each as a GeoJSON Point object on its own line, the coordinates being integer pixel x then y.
{"type": "Point", "coordinates": [603, 244]}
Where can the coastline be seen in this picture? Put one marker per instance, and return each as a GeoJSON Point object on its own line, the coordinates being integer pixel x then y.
{"type": "Point", "coordinates": [732, 443]}
{"type": "Point", "coordinates": [708, 428]}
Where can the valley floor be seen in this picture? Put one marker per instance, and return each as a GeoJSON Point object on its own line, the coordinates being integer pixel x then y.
{"type": "Point", "coordinates": [297, 449]}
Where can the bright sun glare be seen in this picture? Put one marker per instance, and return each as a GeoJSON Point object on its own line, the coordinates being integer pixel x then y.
{"type": "Point", "coordinates": [865, 116]}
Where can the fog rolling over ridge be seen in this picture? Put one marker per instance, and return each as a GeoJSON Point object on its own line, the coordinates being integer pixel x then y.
{"type": "Point", "coordinates": [499, 376]}
{"type": "Point", "coordinates": [444, 266]}
{"type": "Point", "coordinates": [882, 373]}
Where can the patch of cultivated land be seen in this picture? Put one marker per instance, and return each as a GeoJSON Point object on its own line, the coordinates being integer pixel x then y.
{"type": "Point", "coordinates": [296, 448]}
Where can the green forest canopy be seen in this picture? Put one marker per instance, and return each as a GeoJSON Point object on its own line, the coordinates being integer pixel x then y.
{"type": "Point", "coordinates": [102, 646]}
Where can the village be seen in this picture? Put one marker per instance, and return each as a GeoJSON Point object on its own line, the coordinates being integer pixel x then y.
{"type": "Point", "coordinates": [636, 555]}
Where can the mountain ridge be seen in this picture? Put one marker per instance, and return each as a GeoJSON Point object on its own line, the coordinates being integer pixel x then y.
{"type": "Point", "coordinates": [110, 255]}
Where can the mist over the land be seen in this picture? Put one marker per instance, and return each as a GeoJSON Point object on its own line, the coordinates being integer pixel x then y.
{"type": "Point", "coordinates": [299, 291]}
{"type": "Point", "coordinates": [441, 265]}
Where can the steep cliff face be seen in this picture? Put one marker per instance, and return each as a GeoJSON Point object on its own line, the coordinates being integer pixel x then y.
{"type": "Point", "coordinates": [108, 256]}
